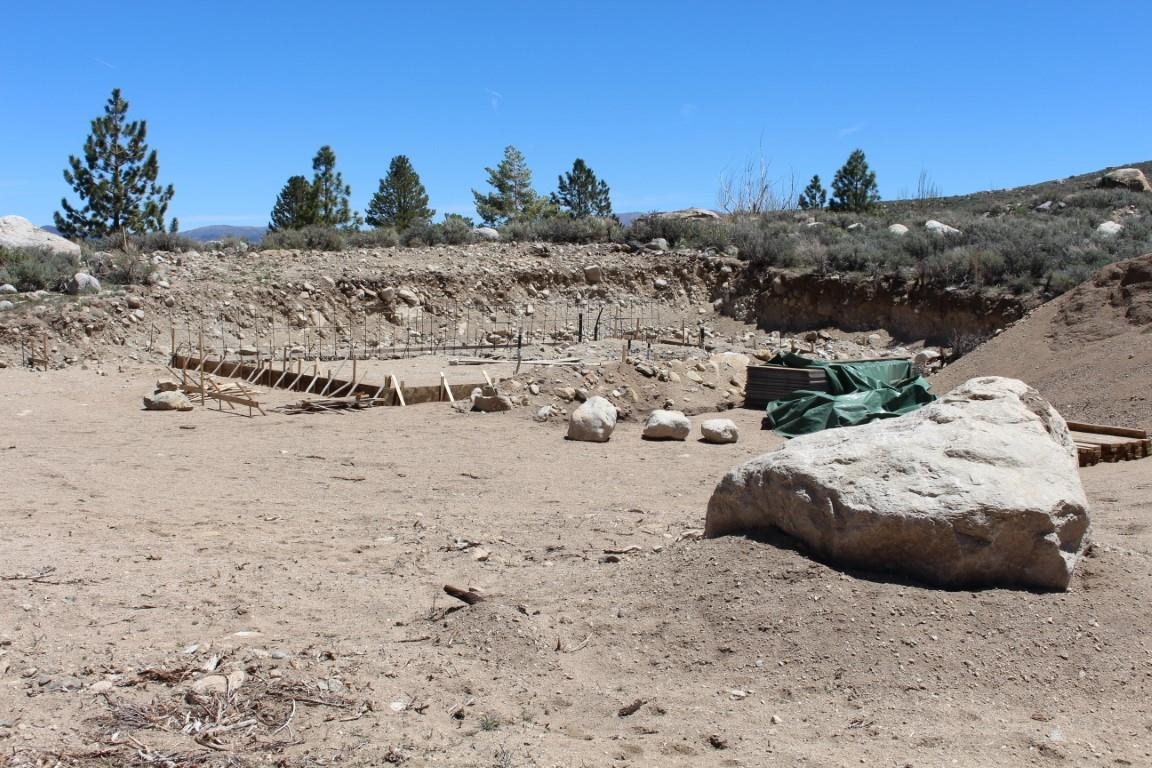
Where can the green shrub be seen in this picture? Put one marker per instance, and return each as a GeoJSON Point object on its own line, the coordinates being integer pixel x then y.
{"type": "Point", "coordinates": [31, 269]}
{"type": "Point", "coordinates": [378, 237]}
{"type": "Point", "coordinates": [307, 239]}
{"type": "Point", "coordinates": [130, 268]}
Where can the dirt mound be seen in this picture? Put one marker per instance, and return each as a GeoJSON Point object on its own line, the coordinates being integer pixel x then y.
{"type": "Point", "coordinates": [1117, 297]}
{"type": "Point", "coordinates": [1089, 352]}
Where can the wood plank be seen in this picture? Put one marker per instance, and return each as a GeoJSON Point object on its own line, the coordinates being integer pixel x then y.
{"type": "Point", "coordinates": [1101, 429]}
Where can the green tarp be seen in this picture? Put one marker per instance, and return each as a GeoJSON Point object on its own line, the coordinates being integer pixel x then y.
{"type": "Point", "coordinates": [858, 392]}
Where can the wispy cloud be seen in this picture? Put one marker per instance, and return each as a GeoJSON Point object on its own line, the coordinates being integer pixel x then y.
{"type": "Point", "coordinates": [852, 129]}
{"type": "Point", "coordinates": [495, 99]}
{"type": "Point", "coordinates": [105, 63]}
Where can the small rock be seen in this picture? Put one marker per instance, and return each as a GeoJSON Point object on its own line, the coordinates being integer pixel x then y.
{"type": "Point", "coordinates": [667, 425]}
{"type": "Point", "coordinates": [719, 431]}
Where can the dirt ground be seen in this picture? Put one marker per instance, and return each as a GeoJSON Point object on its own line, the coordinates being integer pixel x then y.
{"type": "Point", "coordinates": [306, 556]}
{"type": "Point", "coordinates": [205, 589]}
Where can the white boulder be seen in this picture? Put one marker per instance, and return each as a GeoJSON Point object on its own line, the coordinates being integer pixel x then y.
{"type": "Point", "coordinates": [940, 228]}
{"type": "Point", "coordinates": [898, 229]}
{"type": "Point", "coordinates": [18, 232]}
{"type": "Point", "coordinates": [593, 421]}
{"type": "Point", "coordinates": [1109, 229]}
{"type": "Point", "coordinates": [667, 425]}
{"type": "Point", "coordinates": [980, 488]}
{"type": "Point", "coordinates": [719, 431]}
{"type": "Point", "coordinates": [486, 233]}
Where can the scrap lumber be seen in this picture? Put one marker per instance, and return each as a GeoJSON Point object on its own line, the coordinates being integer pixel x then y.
{"type": "Point", "coordinates": [1101, 442]}
{"type": "Point", "coordinates": [331, 405]}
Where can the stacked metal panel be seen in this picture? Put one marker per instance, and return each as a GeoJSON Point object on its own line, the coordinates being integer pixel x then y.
{"type": "Point", "coordinates": [771, 382]}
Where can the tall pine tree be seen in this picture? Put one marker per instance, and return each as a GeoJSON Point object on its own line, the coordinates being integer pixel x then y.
{"type": "Point", "coordinates": [581, 194]}
{"type": "Point", "coordinates": [115, 179]}
{"type": "Point", "coordinates": [332, 206]}
{"type": "Point", "coordinates": [854, 187]}
{"type": "Point", "coordinates": [295, 206]}
{"type": "Point", "coordinates": [512, 198]}
{"type": "Point", "coordinates": [401, 201]}
{"type": "Point", "coordinates": [813, 196]}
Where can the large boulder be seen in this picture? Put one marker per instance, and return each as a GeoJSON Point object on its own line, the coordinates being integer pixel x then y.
{"type": "Point", "coordinates": [593, 421]}
{"type": "Point", "coordinates": [667, 425]}
{"type": "Point", "coordinates": [18, 232]}
{"type": "Point", "coordinates": [940, 228]}
{"type": "Point", "coordinates": [980, 488]}
{"type": "Point", "coordinates": [1128, 178]}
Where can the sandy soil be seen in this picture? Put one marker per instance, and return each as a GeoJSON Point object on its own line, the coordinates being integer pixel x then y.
{"type": "Point", "coordinates": [310, 552]}
{"type": "Point", "coordinates": [201, 588]}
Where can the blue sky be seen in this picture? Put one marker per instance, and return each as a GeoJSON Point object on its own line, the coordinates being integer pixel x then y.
{"type": "Point", "coordinates": [660, 99]}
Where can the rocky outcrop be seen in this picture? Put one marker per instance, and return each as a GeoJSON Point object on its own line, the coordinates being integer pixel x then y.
{"type": "Point", "coordinates": [593, 421]}
{"type": "Point", "coordinates": [82, 283]}
{"type": "Point", "coordinates": [18, 232]}
{"type": "Point", "coordinates": [1128, 178]}
{"type": "Point", "coordinates": [980, 488]}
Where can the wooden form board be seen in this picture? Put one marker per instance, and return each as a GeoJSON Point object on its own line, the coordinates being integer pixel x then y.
{"type": "Point", "coordinates": [393, 392]}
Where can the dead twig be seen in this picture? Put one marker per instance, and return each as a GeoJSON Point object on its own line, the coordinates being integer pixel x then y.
{"type": "Point", "coordinates": [632, 708]}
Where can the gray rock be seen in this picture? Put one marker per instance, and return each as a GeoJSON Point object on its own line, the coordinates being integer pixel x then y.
{"type": "Point", "coordinates": [691, 214]}
{"type": "Point", "coordinates": [980, 488]}
{"type": "Point", "coordinates": [408, 296]}
{"type": "Point", "coordinates": [1129, 178]}
{"type": "Point", "coordinates": [593, 421]}
{"type": "Point", "coordinates": [18, 232]}
{"type": "Point", "coordinates": [5, 305]}
{"type": "Point", "coordinates": [8, 288]}
{"type": "Point", "coordinates": [543, 414]}
{"type": "Point", "coordinates": [486, 233]}
{"type": "Point", "coordinates": [660, 283]}
{"type": "Point", "coordinates": [657, 244]}
{"type": "Point", "coordinates": [667, 425]}
{"type": "Point", "coordinates": [940, 228]}
{"type": "Point", "coordinates": [491, 402]}
{"type": "Point", "coordinates": [593, 274]}
{"type": "Point", "coordinates": [1109, 229]}
{"type": "Point", "coordinates": [168, 401]}
{"type": "Point", "coordinates": [719, 431]}
{"type": "Point", "coordinates": [82, 282]}
{"type": "Point", "coordinates": [898, 229]}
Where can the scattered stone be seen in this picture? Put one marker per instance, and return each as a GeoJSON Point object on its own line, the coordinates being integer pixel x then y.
{"type": "Point", "coordinates": [168, 401]}
{"type": "Point", "coordinates": [134, 302]}
{"type": "Point", "coordinates": [486, 233]}
{"type": "Point", "coordinates": [1109, 229]}
{"type": "Point", "coordinates": [408, 296]}
{"type": "Point", "coordinates": [543, 414]}
{"type": "Point", "coordinates": [719, 431]}
{"type": "Point", "coordinates": [6, 305]}
{"type": "Point", "coordinates": [593, 421]}
{"type": "Point", "coordinates": [898, 229]}
{"type": "Point", "coordinates": [8, 288]}
{"type": "Point", "coordinates": [490, 400]}
{"type": "Point", "coordinates": [667, 425]}
{"type": "Point", "coordinates": [980, 488]}
{"type": "Point", "coordinates": [659, 283]}
{"type": "Point", "coordinates": [593, 274]}
{"type": "Point", "coordinates": [167, 386]}
{"type": "Point", "coordinates": [657, 244]}
{"type": "Point", "coordinates": [82, 282]}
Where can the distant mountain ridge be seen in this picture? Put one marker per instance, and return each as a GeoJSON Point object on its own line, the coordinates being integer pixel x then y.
{"type": "Point", "coordinates": [221, 231]}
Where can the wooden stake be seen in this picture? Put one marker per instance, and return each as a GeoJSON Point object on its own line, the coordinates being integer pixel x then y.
{"type": "Point", "coordinates": [448, 389]}
{"type": "Point", "coordinates": [399, 387]}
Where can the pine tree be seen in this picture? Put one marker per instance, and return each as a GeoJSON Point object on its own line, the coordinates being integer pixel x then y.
{"type": "Point", "coordinates": [116, 179]}
{"type": "Point", "coordinates": [854, 187]}
{"type": "Point", "coordinates": [295, 206]}
{"type": "Point", "coordinates": [401, 201]}
{"type": "Point", "coordinates": [581, 194]}
{"type": "Point", "coordinates": [813, 196]}
{"type": "Point", "coordinates": [513, 198]}
{"type": "Point", "coordinates": [332, 207]}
